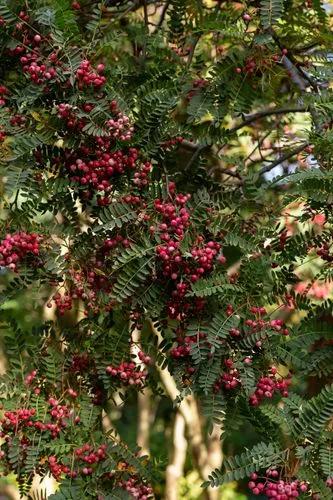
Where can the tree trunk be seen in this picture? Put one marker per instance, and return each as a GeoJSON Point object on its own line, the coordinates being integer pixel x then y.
{"type": "Point", "coordinates": [175, 469]}
{"type": "Point", "coordinates": [145, 417]}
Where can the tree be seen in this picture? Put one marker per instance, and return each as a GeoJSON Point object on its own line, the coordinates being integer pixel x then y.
{"type": "Point", "coordinates": [140, 204]}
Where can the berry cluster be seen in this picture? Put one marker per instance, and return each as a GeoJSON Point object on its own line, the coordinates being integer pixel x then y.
{"type": "Point", "coordinates": [204, 257]}
{"type": "Point", "coordinates": [175, 216]}
{"type": "Point", "coordinates": [57, 469]}
{"type": "Point", "coordinates": [15, 247]}
{"type": "Point", "coordinates": [229, 379]}
{"type": "Point", "coordinates": [324, 252]}
{"type": "Point", "coordinates": [172, 142]}
{"type": "Point", "coordinates": [96, 173]}
{"type": "Point", "coordinates": [140, 178]}
{"type": "Point", "coordinates": [66, 112]}
{"type": "Point", "coordinates": [62, 302]}
{"type": "Point", "coordinates": [259, 324]}
{"type": "Point", "coordinates": [38, 72]}
{"type": "Point", "coordinates": [144, 358]}
{"type": "Point", "coordinates": [3, 95]}
{"type": "Point", "coordinates": [16, 419]}
{"type": "Point", "coordinates": [268, 386]}
{"type": "Point", "coordinates": [197, 84]}
{"type": "Point", "coordinates": [18, 120]}
{"type": "Point", "coordinates": [87, 76]}
{"type": "Point", "coordinates": [24, 418]}
{"type": "Point", "coordinates": [136, 489]}
{"type": "Point", "coordinates": [85, 454]}
{"type": "Point", "coordinates": [89, 456]}
{"type": "Point", "coordinates": [183, 349]}
{"type": "Point", "coordinates": [277, 489]}
{"type": "Point", "coordinates": [40, 68]}
{"type": "Point", "coordinates": [329, 482]}
{"type": "Point", "coordinates": [85, 283]}
{"type": "Point", "coordinates": [120, 127]}
{"type": "Point", "coordinates": [30, 377]}
{"type": "Point", "coordinates": [127, 374]}
{"type": "Point", "coordinates": [250, 66]}
{"type": "Point", "coordinates": [180, 308]}
{"type": "Point", "coordinates": [184, 270]}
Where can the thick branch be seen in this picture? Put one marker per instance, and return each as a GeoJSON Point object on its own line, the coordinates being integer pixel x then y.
{"type": "Point", "coordinates": [190, 412]}
{"type": "Point", "coordinates": [145, 409]}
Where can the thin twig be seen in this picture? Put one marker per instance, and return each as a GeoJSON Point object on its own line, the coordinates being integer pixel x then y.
{"type": "Point", "coordinates": [198, 150]}
{"type": "Point", "coordinates": [145, 13]}
{"type": "Point", "coordinates": [231, 173]}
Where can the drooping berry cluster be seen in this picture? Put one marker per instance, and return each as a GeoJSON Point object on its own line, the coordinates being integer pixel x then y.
{"type": "Point", "coordinates": [182, 269]}
{"type": "Point", "coordinates": [136, 489]}
{"type": "Point", "coordinates": [204, 257]}
{"type": "Point", "coordinates": [84, 457]}
{"type": "Point", "coordinates": [89, 456]}
{"type": "Point", "coordinates": [270, 385]}
{"type": "Point", "coordinates": [18, 120]}
{"type": "Point", "coordinates": [274, 488]}
{"type": "Point", "coordinates": [15, 247]}
{"type": "Point", "coordinates": [174, 263]}
{"type": "Point", "coordinates": [40, 68]}
{"type": "Point", "coordinates": [175, 217]}
{"type": "Point", "coordinates": [38, 72]}
{"type": "Point", "coordinates": [127, 374]}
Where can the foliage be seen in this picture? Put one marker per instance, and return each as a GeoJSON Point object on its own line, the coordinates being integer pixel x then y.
{"type": "Point", "coordinates": [134, 218]}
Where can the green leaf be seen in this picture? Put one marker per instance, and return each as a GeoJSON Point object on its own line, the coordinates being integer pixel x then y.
{"type": "Point", "coordinates": [270, 12]}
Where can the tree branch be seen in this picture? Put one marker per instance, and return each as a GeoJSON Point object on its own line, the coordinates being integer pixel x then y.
{"type": "Point", "coordinates": [267, 112]}
{"type": "Point", "coordinates": [163, 14]}
{"type": "Point", "coordinates": [283, 158]}
{"type": "Point", "coordinates": [299, 76]}
{"type": "Point", "coordinates": [192, 146]}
